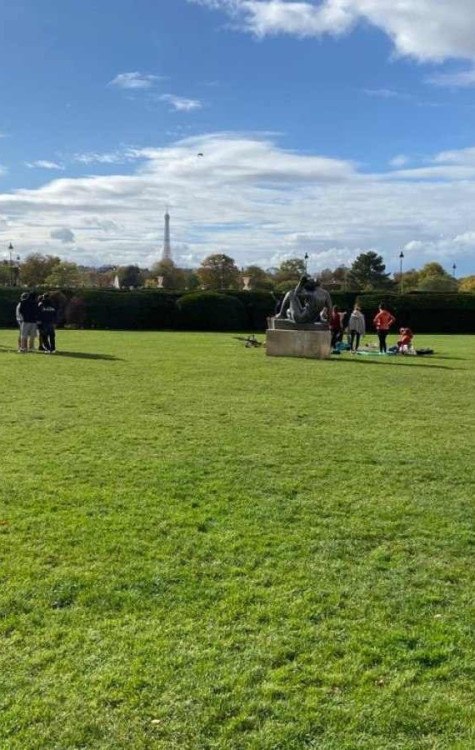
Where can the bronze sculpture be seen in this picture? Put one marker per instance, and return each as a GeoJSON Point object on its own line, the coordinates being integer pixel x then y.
{"type": "Point", "coordinates": [307, 304]}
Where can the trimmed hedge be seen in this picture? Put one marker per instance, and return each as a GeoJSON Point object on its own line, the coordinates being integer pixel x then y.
{"type": "Point", "coordinates": [208, 311]}
{"type": "Point", "coordinates": [128, 310]}
{"type": "Point", "coordinates": [151, 309]}
{"type": "Point", "coordinates": [425, 312]}
{"type": "Point", "coordinates": [258, 307]}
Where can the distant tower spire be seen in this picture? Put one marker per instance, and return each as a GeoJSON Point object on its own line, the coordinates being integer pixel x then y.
{"type": "Point", "coordinates": [167, 250]}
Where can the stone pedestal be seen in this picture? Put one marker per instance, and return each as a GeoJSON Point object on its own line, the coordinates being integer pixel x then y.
{"type": "Point", "coordinates": [287, 339]}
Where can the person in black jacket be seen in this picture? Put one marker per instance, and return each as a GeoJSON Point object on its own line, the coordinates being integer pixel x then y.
{"type": "Point", "coordinates": [28, 314]}
{"type": "Point", "coordinates": [47, 317]}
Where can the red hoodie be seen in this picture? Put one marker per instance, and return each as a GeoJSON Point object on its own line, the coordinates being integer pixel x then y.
{"type": "Point", "coordinates": [335, 322]}
{"type": "Point", "coordinates": [383, 320]}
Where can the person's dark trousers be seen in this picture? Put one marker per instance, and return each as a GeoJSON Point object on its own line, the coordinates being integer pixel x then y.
{"type": "Point", "coordinates": [335, 335]}
{"type": "Point", "coordinates": [49, 338]}
{"type": "Point", "coordinates": [355, 336]}
{"type": "Point", "coordinates": [41, 344]}
{"type": "Point", "coordinates": [382, 335]}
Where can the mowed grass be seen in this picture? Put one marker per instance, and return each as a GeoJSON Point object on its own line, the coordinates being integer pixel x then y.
{"type": "Point", "coordinates": [203, 548]}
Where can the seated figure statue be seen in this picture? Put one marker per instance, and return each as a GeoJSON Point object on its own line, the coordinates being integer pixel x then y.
{"type": "Point", "coordinates": [305, 303]}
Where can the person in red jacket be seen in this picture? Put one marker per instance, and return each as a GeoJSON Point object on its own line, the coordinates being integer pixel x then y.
{"type": "Point", "coordinates": [383, 321]}
{"type": "Point", "coordinates": [335, 326]}
{"type": "Point", "coordinates": [405, 342]}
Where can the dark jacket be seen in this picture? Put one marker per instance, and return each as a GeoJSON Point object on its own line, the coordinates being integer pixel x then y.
{"type": "Point", "coordinates": [29, 311]}
{"type": "Point", "coordinates": [47, 313]}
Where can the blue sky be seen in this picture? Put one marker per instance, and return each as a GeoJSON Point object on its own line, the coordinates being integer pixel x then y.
{"type": "Point", "coordinates": [329, 127]}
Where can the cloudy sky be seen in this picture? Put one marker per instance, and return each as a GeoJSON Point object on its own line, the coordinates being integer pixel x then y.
{"type": "Point", "coordinates": [270, 128]}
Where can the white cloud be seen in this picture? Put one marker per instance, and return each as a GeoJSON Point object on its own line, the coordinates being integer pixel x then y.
{"type": "Point", "coordinates": [255, 201]}
{"type": "Point", "coordinates": [423, 29]}
{"type": "Point", "coordinates": [134, 80]}
{"type": "Point", "coordinates": [44, 164]}
{"type": "Point", "coordinates": [399, 161]}
{"type": "Point", "coordinates": [113, 157]}
{"type": "Point", "coordinates": [464, 157]}
{"type": "Point", "coordinates": [180, 103]}
{"type": "Point", "coordinates": [387, 94]}
{"type": "Point", "coordinates": [457, 79]}
{"type": "Point", "coordinates": [63, 235]}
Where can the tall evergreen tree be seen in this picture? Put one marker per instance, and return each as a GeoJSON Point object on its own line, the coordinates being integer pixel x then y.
{"type": "Point", "coordinates": [368, 272]}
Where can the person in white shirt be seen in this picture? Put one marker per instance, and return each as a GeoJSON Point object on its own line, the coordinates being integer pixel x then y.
{"type": "Point", "coordinates": [19, 318]}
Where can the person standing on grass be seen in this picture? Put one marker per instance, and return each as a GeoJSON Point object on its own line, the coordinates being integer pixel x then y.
{"type": "Point", "coordinates": [356, 328]}
{"type": "Point", "coordinates": [47, 317]}
{"type": "Point", "coordinates": [41, 346]}
{"type": "Point", "coordinates": [29, 313]}
{"type": "Point", "coordinates": [335, 326]}
{"type": "Point", "coordinates": [19, 318]}
{"type": "Point", "coordinates": [383, 321]}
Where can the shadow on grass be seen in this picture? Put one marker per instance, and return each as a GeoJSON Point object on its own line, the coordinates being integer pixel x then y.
{"type": "Point", "coordinates": [75, 355]}
{"type": "Point", "coordinates": [382, 363]}
{"type": "Point", "coordinates": [89, 355]}
{"type": "Point", "coordinates": [443, 356]}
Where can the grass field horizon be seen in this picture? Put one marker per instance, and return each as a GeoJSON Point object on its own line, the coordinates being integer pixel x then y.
{"type": "Point", "coordinates": [204, 548]}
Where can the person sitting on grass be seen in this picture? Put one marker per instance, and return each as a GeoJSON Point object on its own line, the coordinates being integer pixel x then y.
{"type": "Point", "coordinates": [405, 342]}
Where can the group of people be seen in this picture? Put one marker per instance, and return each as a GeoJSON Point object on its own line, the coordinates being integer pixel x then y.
{"type": "Point", "coordinates": [36, 315]}
{"type": "Point", "coordinates": [356, 326]}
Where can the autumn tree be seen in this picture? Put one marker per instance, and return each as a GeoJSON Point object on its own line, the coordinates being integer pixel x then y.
{"type": "Point", "coordinates": [219, 271]}
{"type": "Point", "coordinates": [434, 278]}
{"type": "Point", "coordinates": [290, 270]}
{"type": "Point", "coordinates": [408, 280]}
{"type": "Point", "coordinates": [36, 268]}
{"type": "Point", "coordinates": [467, 284]}
{"type": "Point", "coordinates": [438, 284]}
{"type": "Point", "coordinates": [259, 279]}
{"type": "Point", "coordinates": [191, 279]}
{"type": "Point", "coordinates": [5, 274]}
{"type": "Point", "coordinates": [130, 276]}
{"type": "Point", "coordinates": [65, 275]}
{"type": "Point", "coordinates": [336, 278]}
{"type": "Point", "coordinates": [173, 277]}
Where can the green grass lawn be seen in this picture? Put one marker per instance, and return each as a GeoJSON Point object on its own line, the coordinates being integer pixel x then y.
{"type": "Point", "coordinates": [202, 548]}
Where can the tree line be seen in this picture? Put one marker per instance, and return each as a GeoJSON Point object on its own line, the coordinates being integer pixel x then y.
{"type": "Point", "coordinates": [219, 271]}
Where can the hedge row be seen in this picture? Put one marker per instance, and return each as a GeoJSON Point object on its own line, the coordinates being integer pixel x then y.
{"type": "Point", "coordinates": [235, 311]}
{"type": "Point", "coordinates": [426, 312]}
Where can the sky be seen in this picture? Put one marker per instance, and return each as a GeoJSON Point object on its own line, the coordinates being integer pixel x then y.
{"type": "Point", "coordinates": [268, 128]}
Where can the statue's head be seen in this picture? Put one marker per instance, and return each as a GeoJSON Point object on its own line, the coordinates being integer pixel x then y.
{"type": "Point", "coordinates": [310, 285]}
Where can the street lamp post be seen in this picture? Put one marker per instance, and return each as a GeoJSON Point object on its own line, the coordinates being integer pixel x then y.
{"type": "Point", "coordinates": [401, 281]}
{"type": "Point", "coordinates": [10, 262]}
